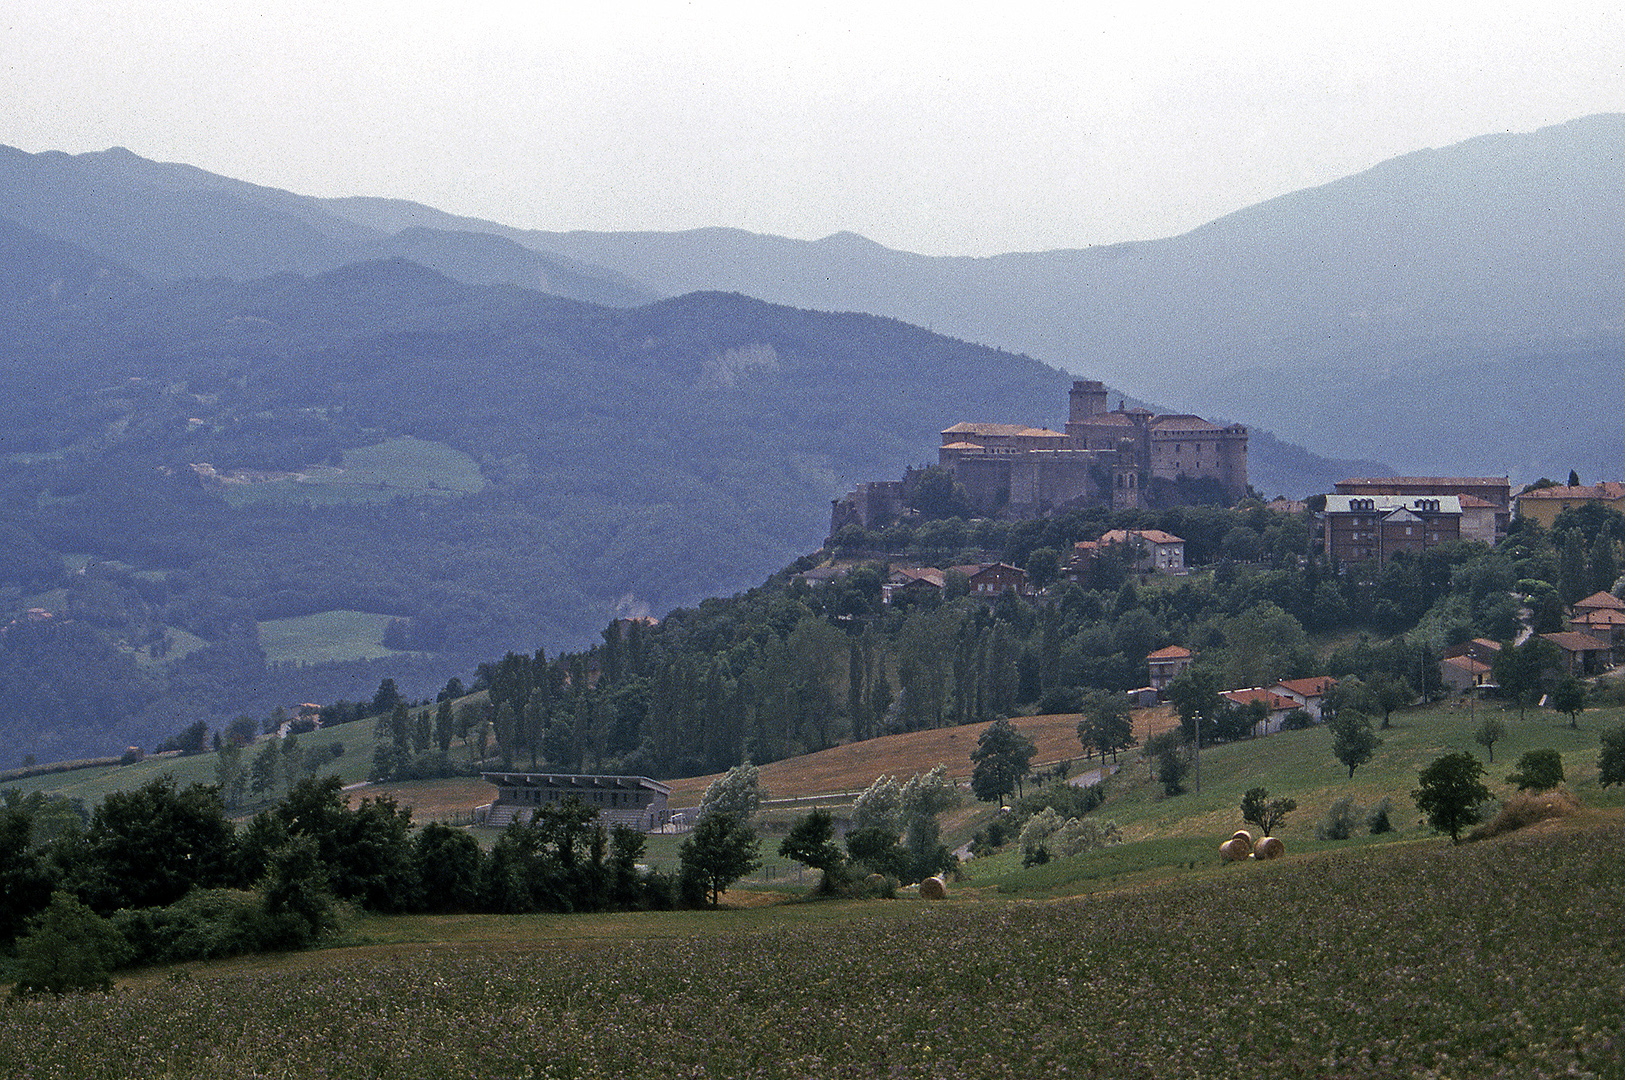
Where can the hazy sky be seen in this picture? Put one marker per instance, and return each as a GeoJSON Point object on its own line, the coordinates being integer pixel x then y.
{"type": "Point", "coordinates": [938, 128]}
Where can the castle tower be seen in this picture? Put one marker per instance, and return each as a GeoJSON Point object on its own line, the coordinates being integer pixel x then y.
{"type": "Point", "coordinates": [1088, 399]}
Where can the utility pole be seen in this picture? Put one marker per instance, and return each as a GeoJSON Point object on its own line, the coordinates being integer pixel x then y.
{"type": "Point", "coordinates": [1196, 770]}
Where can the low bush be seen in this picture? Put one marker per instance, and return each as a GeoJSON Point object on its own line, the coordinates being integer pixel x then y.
{"type": "Point", "coordinates": [1378, 822]}
{"type": "Point", "coordinates": [1343, 818]}
{"type": "Point", "coordinates": [1527, 808]}
{"type": "Point", "coordinates": [206, 925]}
{"type": "Point", "coordinates": [1297, 720]}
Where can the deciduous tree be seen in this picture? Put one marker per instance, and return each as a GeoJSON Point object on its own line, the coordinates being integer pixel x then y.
{"type": "Point", "coordinates": [811, 842]}
{"type": "Point", "coordinates": [1537, 770]}
{"type": "Point", "coordinates": [1002, 757]}
{"type": "Point", "coordinates": [1353, 741]}
{"type": "Point", "coordinates": [736, 794]}
{"type": "Point", "coordinates": [1490, 732]}
{"type": "Point", "coordinates": [1569, 698]}
{"type": "Point", "coordinates": [1449, 793]}
{"type": "Point", "coordinates": [721, 850]}
{"type": "Point", "coordinates": [1257, 808]}
{"type": "Point", "coordinates": [1611, 759]}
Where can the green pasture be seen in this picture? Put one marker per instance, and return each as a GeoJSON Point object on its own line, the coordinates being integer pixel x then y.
{"type": "Point", "coordinates": [1168, 836]}
{"type": "Point", "coordinates": [326, 637]}
{"type": "Point", "coordinates": [94, 784]}
{"type": "Point", "coordinates": [181, 643]}
{"type": "Point", "coordinates": [402, 466]}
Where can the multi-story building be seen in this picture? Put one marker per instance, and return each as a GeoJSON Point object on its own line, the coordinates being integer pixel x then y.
{"type": "Point", "coordinates": [1148, 551]}
{"type": "Point", "coordinates": [1486, 501]}
{"type": "Point", "coordinates": [1372, 528]}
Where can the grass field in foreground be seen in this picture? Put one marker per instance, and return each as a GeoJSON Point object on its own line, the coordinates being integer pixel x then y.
{"type": "Point", "coordinates": [1501, 959]}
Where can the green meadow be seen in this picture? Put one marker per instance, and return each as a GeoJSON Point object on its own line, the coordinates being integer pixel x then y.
{"type": "Point", "coordinates": [326, 637]}
{"type": "Point", "coordinates": [402, 466]}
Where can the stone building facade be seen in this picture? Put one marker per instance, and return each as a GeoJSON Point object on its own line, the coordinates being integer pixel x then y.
{"type": "Point", "coordinates": [1124, 458]}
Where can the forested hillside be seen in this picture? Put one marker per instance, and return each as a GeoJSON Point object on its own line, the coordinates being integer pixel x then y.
{"type": "Point", "coordinates": [792, 667]}
{"type": "Point", "coordinates": [222, 497]}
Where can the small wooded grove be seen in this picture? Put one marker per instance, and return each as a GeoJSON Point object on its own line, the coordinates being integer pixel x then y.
{"type": "Point", "coordinates": [175, 880]}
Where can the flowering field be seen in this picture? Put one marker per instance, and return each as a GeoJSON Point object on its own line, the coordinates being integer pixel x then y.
{"type": "Point", "coordinates": [1498, 959]}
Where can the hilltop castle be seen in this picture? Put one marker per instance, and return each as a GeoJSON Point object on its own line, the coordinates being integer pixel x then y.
{"type": "Point", "coordinates": [1124, 459]}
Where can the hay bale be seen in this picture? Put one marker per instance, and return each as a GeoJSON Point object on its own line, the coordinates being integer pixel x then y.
{"type": "Point", "coordinates": [1233, 850]}
{"type": "Point", "coordinates": [1270, 847]}
{"type": "Point", "coordinates": [1244, 836]}
{"type": "Point", "coordinates": [934, 888]}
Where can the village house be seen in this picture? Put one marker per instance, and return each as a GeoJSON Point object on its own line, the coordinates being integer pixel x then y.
{"type": "Point", "coordinates": [1602, 616]}
{"type": "Point", "coordinates": [1582, 653]}
{"type": "Point", "coordinates": [1463, 673]}
{"type": "Point", "coordinates": [1148, 551]}
{"type": "Point", "coordinates": [914, 581]}
{"type": "Point", "coordinates": [991, 582]}
{"type": "Point", "coordinates": [634, 801]}
{"type": "Point", "coordinates": [1481, 649]}
{"type": "Point", "coordinates": [1545, 504]}
{"type": "Point", "coordinates": [1279, 707]}
{"type": "Point", "coordinates": [1166, 664]}
{"type": "Point", "coordinates": [1080, 568]}
{"type": "Point", "coordinates": [1306, 694]}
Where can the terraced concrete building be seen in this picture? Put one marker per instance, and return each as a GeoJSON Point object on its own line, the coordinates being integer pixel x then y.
{"type": "Point", "coordinates": [635, 801]}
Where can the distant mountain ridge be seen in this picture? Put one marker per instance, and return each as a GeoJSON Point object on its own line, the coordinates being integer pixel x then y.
{"type": "Point", "coordinates": [1402, 312]}
{"type": "Point", "coordinates": [169, 220]}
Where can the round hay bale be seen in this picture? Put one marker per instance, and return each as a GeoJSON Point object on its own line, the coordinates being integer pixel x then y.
{"type": "Point", "coordinates": [1244, 836]}
{"type": "Point", "coordinates": [1233, 849]}
{"type": "Point", "coordinates": [1270, 847]}
{"type": "Point", "coordinates": [934, 888]}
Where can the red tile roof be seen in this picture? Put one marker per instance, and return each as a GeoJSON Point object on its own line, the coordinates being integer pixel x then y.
{"type": "Point", "coordinates": [1609, 490]}
{"type": "Point", "coordinates": [1575, 641]}
{"type": "Point", "coordinates": [1315, 687]}
{"type": "Point", "coordinates": [1275, 701]}
{"type": "Point", "coordinates": [1600, 601]}
{"type": "Point", "coordinates": [1172, 652]}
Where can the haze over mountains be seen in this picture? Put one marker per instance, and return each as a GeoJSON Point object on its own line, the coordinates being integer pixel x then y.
{"type": "Point", "coordinates": [1395, 315]}
{"type": "Point", "coordinates": [498, 437]}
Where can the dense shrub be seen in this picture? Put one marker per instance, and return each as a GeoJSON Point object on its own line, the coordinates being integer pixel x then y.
{"type": "Point", "coordinates": [67, 948]}
{"type": "Point", "coordinates": [1378, 822]}
{"type": "Point", "coordinates": [1297, 720]}
{"type": "Point", "coordinates": [1343, 818]}
{"type": "Point", "coordinates": [206, 925]}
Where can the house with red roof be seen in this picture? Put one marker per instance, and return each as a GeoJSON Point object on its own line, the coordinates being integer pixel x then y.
{"type": "Point", "coordinates": [1463, 673]}
{"type": "Point", "coordinates": [1544, 504]}
{"type": "Point", "coordinates": [1306, 694]}
{"type": "Point", "coordinates": [991, 582]}
{"type": "Point", "coordinates": [1148, 551]}
{"type": "Point", "coordinates": [1279, 707]}
{"type": "Point", "coordinates": [1166, 664]}
{"type": "Point", "coordinates": [1582, 653]}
